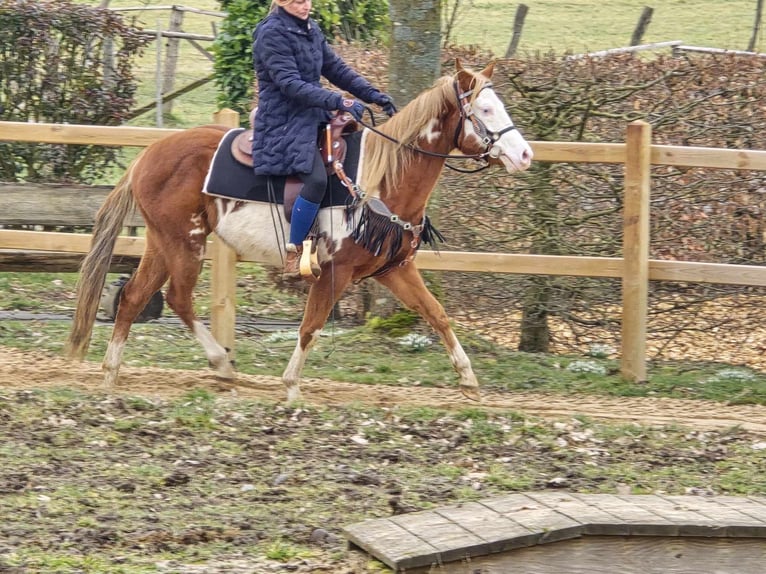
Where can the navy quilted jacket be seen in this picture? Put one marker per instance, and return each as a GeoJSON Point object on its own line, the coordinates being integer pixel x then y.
{"type": "Point", "coordinates": [290, 55]}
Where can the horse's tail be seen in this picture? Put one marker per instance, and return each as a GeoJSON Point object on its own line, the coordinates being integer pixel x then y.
{"type": "Point", "coordinates": [108, 224]}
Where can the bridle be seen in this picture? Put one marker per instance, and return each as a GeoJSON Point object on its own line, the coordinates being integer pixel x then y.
{"type": "Point", "coordinates": [488, 137]}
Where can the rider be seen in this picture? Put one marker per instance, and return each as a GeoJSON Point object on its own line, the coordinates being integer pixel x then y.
{"type": "Point", "coordinates": [290, 54]}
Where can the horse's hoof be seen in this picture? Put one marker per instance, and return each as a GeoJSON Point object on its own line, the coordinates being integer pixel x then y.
{"type": "Point", "coordinates": [294, 395]}
{"type": "Point", "coordinates": [471, 392]}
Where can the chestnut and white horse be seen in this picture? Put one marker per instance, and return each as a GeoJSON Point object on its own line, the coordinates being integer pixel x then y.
{"type": "Point", "coordinates": [402, 161]}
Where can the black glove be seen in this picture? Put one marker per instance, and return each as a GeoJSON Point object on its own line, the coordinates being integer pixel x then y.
{"type": "Point", "coordinates": [353, 107]}
{"type": "Point", "coordinates": [385, 102]}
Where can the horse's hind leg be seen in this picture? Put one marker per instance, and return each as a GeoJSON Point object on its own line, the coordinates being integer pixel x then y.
{"type": "Point", "coordinates": [406, 283]}
{"type": "Point", "coordinates": [184, 271]}
{"type": "Point", "coordinates": [148, 278]}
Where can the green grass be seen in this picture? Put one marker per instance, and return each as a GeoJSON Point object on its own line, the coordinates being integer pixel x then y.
{"type": "Point", "coordinates": [358, 354]}
{"type": "Point", "coordinates": [571, 26]}
{"type": "Point", "coordinates": [588, 25]}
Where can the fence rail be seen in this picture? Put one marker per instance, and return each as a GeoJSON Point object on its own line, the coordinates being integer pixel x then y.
{"type": "Point", "coordinates": [634, 268]}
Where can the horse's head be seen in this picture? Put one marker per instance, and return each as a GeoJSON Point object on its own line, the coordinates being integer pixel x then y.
{"type": "Point", "coordinates": [485, 126]}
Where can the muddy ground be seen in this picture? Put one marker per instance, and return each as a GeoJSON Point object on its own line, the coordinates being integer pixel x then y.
{"type": "Point", "coordinates": [177, 472]}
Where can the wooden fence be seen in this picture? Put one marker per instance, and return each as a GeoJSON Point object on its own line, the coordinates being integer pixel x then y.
{"type": "Point", "coordinates": [635, 268]}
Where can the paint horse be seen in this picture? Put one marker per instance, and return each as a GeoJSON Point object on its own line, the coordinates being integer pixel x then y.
{"type": "Point", "coordinates": [402, 161]}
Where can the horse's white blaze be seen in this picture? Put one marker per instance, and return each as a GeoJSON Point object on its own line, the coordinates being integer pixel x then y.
{"type": "Point", "coordinates": [431, 132]}
{"type": "Point", "coordinates": [258, 231]}
{"type": "Point", "coordinates": [515, 152]}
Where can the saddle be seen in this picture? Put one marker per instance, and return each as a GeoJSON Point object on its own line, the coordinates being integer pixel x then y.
{"type": "Point", "coordinates": [331, 143]}
{"type": "Point", "coordinates": [332, 146]}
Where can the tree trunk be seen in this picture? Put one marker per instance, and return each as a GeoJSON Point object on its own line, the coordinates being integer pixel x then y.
{"type": "Point", "coordinates": [535, 335]}
{"type": "Point", "coordinates": [414, 65]}
{"type": "Point", "coordinates": [415, 48]}
{"type": "Point", "coordinates": [542, 211]}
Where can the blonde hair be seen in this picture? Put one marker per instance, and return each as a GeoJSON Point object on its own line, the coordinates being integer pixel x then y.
{"type": "Point", "coordinates": [279, 4]}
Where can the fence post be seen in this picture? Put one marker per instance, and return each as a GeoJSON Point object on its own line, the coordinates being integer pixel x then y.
{"type": "Point", "coordinates": [171, 57]}
{"type": "Point", "coordinates": [223, 271]}
{"type": "Point", "coordinates": [635, 246]}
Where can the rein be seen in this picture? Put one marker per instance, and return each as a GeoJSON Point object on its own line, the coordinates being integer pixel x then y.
{"type": "Point", "coordinates": [488, 138]}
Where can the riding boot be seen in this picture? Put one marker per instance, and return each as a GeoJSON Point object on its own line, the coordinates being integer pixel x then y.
{"type": "Point", "coordinates": [292, 269]}
{"type": "Point", "coordinates": [303, 215]}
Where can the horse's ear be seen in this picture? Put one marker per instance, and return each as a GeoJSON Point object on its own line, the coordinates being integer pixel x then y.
{"type": "Point", "coordinates": [487, 72]}
{"type": "Point", "coordinates": [458, 65]}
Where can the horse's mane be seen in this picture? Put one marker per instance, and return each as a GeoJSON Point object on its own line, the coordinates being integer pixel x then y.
{"type": "Point", "coordinates": [382, 168]}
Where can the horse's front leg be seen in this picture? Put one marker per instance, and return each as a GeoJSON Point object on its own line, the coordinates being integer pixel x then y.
{"type": "Point", "coordinates": [407, 284]}
{"type": "Point", "coordinates": [322, 296]}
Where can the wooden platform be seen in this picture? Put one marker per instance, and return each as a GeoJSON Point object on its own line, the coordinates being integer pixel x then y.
{"type": "Point", "coordinates": [680, 533]}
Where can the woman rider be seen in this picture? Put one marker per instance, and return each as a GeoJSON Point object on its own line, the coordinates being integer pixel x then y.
{"type": "Point", "coordinates": [290, 55]}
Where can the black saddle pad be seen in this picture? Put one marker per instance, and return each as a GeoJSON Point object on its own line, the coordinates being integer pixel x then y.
{"type": "Point", "coordinates": [229, 178]}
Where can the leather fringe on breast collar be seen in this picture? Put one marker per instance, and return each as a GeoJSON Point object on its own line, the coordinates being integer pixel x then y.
{"type": "Point", "coordinates": [381, 232]}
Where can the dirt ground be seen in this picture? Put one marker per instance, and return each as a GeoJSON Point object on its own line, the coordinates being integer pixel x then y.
{"type": "Point", "coordinates": [23, 370]}
{"type": "Point", "coordinates": [233, 481]}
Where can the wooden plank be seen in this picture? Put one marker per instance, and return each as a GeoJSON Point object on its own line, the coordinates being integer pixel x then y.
{"type": "Point", "coordinates": [523, 264]}
{"type": "Point", "coordinates": [53, 204]}
{"type": "Point", "coordinates": [497, 532]}
{"type": "Point", "coordinates": [641, 520]}
{"type": "Point", "coordinates": [719, 51]}
{"type": "Point", "coordinates": [594, 520]}
{"type": "Point", "coordinates": [390, 543]}
{"type": "Point", "coordinates": [611, 555]}
{"type": "Point", "coordinates": [659, 270]}
{"type": "Point", "coordinates": [122, 136]}
{"type": "Point", "coordinates": [708, 157]}
{"type": "Point", "coordinates": [635, 248]}
{"type": "Point", "coordinates": [66, 242]}
{"type": "Point", "coordinates": [578, 152]}
{"type": "Point", "coordinates": [450, 539]}
{"type": "Point", "coordinates": [721, 273]}
{"type": "Point", "coordinates": [56, 262]}
{"type": "Point", "coordinates": [627, 49]}
{"type": "Point", "coordinates": [689, 521]}
{"type": "Point", "coordinates": [551, 524]}
{"type": "Point", "coordinates": [732, 520]}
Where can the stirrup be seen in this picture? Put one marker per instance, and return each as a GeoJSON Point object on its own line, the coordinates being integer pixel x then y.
{"type": "Point", "coordinates": [309, 262]}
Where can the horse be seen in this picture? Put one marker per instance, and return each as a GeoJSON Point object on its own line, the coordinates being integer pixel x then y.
{"type": "Point", "coordinates": [403, 159]}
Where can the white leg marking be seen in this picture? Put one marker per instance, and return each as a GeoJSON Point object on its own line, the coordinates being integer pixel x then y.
{"type": "Point", "coordinates": [292, 375]}
{"type": "Point", "coordinates": [461, 362]}
{"type": "Point", "coordinates": [214, 352]}
{"type": "Point", "coordinates": [112, 362]}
